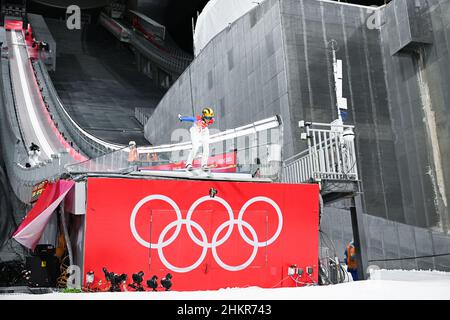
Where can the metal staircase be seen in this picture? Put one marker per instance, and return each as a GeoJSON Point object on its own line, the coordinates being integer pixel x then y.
{"type": "Point", "coordinates": [329, 159]}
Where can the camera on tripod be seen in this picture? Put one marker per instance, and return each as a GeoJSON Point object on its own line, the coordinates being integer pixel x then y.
{"type": "Point", "coordinates": [115, 280]}
{"type": "Point", "coordinates": [166, 282]}
{"type": "Point", "coordinates": [137, 280]}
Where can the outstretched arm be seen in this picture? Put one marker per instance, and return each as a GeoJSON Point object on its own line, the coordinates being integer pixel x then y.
{"type": "Point", "coordinates": [187, 119]}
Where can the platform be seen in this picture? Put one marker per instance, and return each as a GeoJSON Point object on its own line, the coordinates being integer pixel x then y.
{"type": "Point", "coordinates": [335, 190]}
{"type": "Point", "coordinates": [199, 175]}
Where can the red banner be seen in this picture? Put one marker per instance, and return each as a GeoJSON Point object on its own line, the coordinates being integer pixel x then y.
{"type": "Point", "coordinates": [248, 234]}
{"type": "Point", "coordinates": [220, 163]}
{"type": "Point", "coordinates": [30, 230]}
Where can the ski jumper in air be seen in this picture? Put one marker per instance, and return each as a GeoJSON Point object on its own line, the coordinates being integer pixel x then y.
{"type": "Point", "coordinates": [199, 136]}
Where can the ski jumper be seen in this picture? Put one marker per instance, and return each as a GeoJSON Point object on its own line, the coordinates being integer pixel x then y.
{"type": "Point", "coordinates": [199, 136]}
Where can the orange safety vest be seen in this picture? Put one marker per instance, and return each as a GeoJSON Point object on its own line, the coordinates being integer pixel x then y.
{"type": "Point", "coordinates": [152, 157]}
{"type": "Point", "coordinates": [133, 155]}
{"type": "Point", "coordinates": [351, 257]}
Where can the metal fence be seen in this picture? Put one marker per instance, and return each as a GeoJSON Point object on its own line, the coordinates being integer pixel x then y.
{"type": "Point", "coordinates": [89, 144]}
{"type": "Point", "coordinates": [119, 31]}
{"type": "Point", "coordinates": [174, 63]}
{"type": "Point", "coordinates": [257, 150]}
{"type": "Point", "coordinates": [330, 155]}
{"type": "Point", "coordinates": [141, 115]}
{"type": "Point", "coordinates": [112, 162]}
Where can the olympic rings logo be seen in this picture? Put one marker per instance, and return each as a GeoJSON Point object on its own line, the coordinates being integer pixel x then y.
{"type": "Point", "coordinates": [215, 242]}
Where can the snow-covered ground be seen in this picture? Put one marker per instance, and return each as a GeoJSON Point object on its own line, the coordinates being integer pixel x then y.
{"type": "Point", "coordinates": [383, 285]}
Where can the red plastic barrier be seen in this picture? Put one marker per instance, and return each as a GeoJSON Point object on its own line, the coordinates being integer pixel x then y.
{"type": "Point", "coordinates": [247, 235]}
{"type": "Point", "coordinates": [13, 24]}
{"type": "Point", "coordinates": [220, 163]}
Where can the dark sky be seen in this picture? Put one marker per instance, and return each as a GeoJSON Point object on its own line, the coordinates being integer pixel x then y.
{"type": "Point", "coordinates": [179, 20]}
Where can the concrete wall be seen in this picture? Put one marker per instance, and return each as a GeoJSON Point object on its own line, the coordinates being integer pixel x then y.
{"type": "Point", "coordinates": [277, 59]}
{"type": "Point", "coordinates": [308, 28]}
{"type": "Point", "coordinates": [241, 74]}
{"type": "Point", "coordinates": [390, 244]}
{"type": "Point", "coordinates": [419, 103]}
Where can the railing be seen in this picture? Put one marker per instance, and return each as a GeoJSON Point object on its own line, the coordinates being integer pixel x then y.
{"type": "Point", "coordinates": [254, 148]}
{"type": "Point", "coordinates": [89, 144]}
{"type": "Point", "coordinates": [22, 179]}
{"type": "Point", "coordinates": [150, 24]}
{"type": "Point", "coordinates": [112, 162]}
{"type": "Point", "coordinates": [119, 31]}
{"type": "Point", "coordinates": [330, 155]}
{"type": "Point", "coordinates": [164, 52]}
{"type": "Point", "coordinates": [141, 116]}
{"type": "Point", "coordinates": [166, 60]}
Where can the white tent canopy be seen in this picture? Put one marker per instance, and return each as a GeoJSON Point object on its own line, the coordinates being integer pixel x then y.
{"type": "Point", "coordinates": [216, 16]}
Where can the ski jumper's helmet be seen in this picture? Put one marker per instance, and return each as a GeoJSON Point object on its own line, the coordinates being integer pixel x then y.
{"type": "Point", "coordinates": [208, 112]}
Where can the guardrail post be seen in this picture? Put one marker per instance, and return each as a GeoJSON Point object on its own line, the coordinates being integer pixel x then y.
{"type": "Point", "coordinates": [311, 160]}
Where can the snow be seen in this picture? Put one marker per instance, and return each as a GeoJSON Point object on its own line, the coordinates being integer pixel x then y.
{"type": "Point", "coordinates": [383, 285]}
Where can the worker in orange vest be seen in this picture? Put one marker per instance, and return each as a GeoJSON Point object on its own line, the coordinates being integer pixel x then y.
{"type": "Point", "coordinates": [133, 153]}
{"type": "Point", "coordinates": [351, 260]}
{"type": "Point", "coordinates": [152, 157]}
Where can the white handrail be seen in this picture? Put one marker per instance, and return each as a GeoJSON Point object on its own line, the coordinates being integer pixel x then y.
{"type": "Point", "coordinates": [257, 126]}
{"type": "Point", "coordinates": [330, 156]}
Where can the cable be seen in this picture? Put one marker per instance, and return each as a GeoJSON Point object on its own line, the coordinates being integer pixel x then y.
{"type": "Point", "coordinates": [66, 232]}
{"type": "Point", "coordinates": [280, 281]}
{"type": "Point", "coordinates": [150, 249]}
{"type": "Point", "coordinates": [338, 268]}
{"type": "Point", "coordinates": [323, 275]}
{"type": "Point", "coordinates": [61, 282]}
{"type": "Point", "coordinates": [314, 283]}
{"type": "Point", "coordinates": [342, 273]}
{"type": "Point", "coordinates": [301, 282]}
{"type": "Point", "coordinates": [329, 240]}
{"type": "Point", "coordinates": [411, 258]}
{"type": "Point", "coordinates": [326, 270]}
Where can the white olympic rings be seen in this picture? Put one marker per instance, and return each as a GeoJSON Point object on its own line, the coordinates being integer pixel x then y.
{"type": "Point", "coordinates": [204, 242]}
